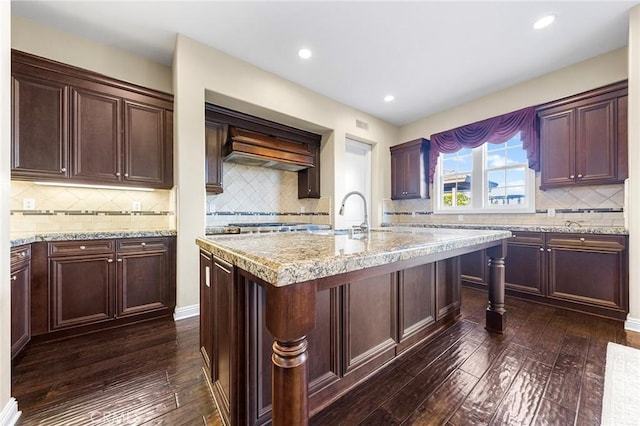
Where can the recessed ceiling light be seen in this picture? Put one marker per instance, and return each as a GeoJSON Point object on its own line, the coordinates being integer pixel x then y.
{"type": "Point", "coordinates": [388, 98]}
{"type": "Point", "coordinates": [304, 53]}
{"type": "Point", "coordinates": [544, 22]}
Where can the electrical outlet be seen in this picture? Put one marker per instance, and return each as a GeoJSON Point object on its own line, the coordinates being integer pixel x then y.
{"type": "Point", "coordinates": [460, 218]}
{"type": "Point", "coordinates": [29, 204]}
{"type": "Point", "coordinates": [551, 212]}
{"type": "Point", "coordinates": [413, 214]}
{"type": "Point", "coordinates": [137, 206]}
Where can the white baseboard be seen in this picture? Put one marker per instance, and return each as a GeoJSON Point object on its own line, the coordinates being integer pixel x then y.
{"type": "Point", "coordinates": [185, 312]}
{"type": "Point", "coordinates": [10, 414]}
{"type": "Point", "coordinates": [632, 324]}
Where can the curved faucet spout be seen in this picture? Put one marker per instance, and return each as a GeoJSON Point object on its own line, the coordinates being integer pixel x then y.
{"type": "Point", "coordinates": [365, 225]}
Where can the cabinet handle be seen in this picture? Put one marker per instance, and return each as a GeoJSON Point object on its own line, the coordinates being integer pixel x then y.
{"type": "Point", "coordinates": [541, 249]}
{"type": "Point", "coordinates": [22, 254]}
{"type": "Point", "coordinates": [143, 244]}
{"type": "Point", "coordinates": [309, 190]}
{"type": "Point", "coordinates": [109, 260]}
{"type": "Point", "coordinates": [126, 175]}
{"type": "Point", "coordinates": [118, 174]}
{"type": "Point", "coordinates": [63, 170]}
{"type": "Point", "coordinates": [572, 176]}
{"type": "Point", "coordinates": [579, 176]}
{"type": "Point", "coordinates": [14, 278]}
{"type": "Point", "coordinates": [549, 250]}
{"type": "Point", "coordinates": [82, 247]}
{"type": "Point", "coordinates": [119, 260]}
{"type": "Point", "coordinates": [582, 239]}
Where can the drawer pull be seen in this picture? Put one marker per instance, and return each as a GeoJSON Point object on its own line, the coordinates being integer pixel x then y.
{"type": "Point", "coordinates": [109, 260]}
{"type": "Point", "coordinates": [83, 247]}
{"type": "Point", "coordinates": [572, 176]}
{"type": "Point", "coordinates": [541, 249]}
{"type": "Point", "coordinates": [22, 254]}
{"type": "Point", "coordinates": [143, 244]}
{"type": "Point", "coordinates": [63, 170]}
{"type": "Point", "coordinates": [579, 176]}
{"type": "Point", "coordinates": [117, 174]}
{"type": "Point", "coordinates": [14, 278]}
{"type": "Point", "coordinates": [582, 239]}
{"type": "Point", "coordinates": [119, 260]}
{"type": "Point", "coordinates": [549, 250]}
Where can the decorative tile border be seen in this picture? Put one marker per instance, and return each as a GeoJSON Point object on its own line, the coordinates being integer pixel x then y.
{"type": "Point", "coordinates": [91, 213]}
{"type": "Point", "coordinates": [268, 214]}
{"type": "Point", "coordinates": [540, 211]}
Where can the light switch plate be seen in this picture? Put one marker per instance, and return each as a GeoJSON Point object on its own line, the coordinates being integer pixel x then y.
{"type": "Point", "coordinates": [137, 206]}
{"type": "Point", "coordinates": [551, 212]}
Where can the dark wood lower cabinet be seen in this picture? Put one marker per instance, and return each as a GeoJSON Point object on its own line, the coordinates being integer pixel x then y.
{"type": "Point", "coordinates": [20, 279]}
{"type": "Point", "coordinates": [582, 272]}
{"type": "Point", "coordinates": [360, 326]}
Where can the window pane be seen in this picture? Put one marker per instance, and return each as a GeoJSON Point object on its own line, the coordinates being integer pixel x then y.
{"type": "Point", "coordinates": [515, 141]}
{"type": "Point", "coordinates": [515, 177]}
{"type": "Point", "coordinates": [515, 195]}
{"type": "Point", "coordinates": [516, 156]}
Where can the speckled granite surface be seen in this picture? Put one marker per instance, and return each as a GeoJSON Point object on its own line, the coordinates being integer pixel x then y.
{"type": "Point", "coordinates": [18, 240]}
{"type": "Point", "coordinates": [287, 258]}
{"type": "Point", "coordinates": [610, 230]}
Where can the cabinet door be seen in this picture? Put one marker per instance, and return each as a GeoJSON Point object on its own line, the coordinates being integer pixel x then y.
{"type": "Point", "coordinates": [215, 135]}
{"type": "Point", "coordinates": [447, 287]}
{"type": "Point", "coordinates": [206, 312]}
{"type": "Point", "coordinates": [369, 325]}
{"type": "Point", "coordinates": [397, 176]}
{"type": "Point", "coordinates": [309, 179]}
{"type": "Point", "coordinates": [416, 296]}
{"type": "Point", "coordinates": [20, 307]}
{"type": "Point", "coordinates": [145, 145]}
{"type": "Point", "coordinates": [473, 268]}
{"type": "Point", "coordinates": [40, 131]}
{"type": "Point", "coordinates": [81, 290]}
{"type": "Point", "coordinates": [596, 143]}
{"type": "Point", "coordinates": [525, 265]}
{"type": "Point", "coordinates": [588, 270]}
{"type": "Point", "coordinates": [222, 282]}
{"type": "Point", "coordinates": [412, 175]}
{"type": "Point", "coordinates": [143, 282]}
{"type": "Point", "coordinates": [557, 147]}
{"type": "Point", "coordinates": [96, 136]}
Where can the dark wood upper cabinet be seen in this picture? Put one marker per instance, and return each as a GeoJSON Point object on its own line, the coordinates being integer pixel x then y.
{"type": "Point", "coordinates": [583, 138]}
{"type": "Point", "coordinates": [71, 124]}
{"type": "Point", "coordinates": [408, 177]}
{"type": "Point", "coordinates": [215, 135]}
{"type": "Point", "coordinates": [309, 179]}
{"type": "Point", "coordinates": [40, 127]}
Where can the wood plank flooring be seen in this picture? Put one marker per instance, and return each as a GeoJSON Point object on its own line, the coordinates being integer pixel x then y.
{"type": "Point", "coordinates": [548, 369]}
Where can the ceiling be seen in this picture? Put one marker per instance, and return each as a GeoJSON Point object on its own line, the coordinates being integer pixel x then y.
{"type": "Point", "coordinates": [430, 55]}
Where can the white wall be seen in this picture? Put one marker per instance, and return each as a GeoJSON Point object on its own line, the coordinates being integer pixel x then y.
{"type": "Point", "coordinates": [6, 404]}
{"type": "Point", "coordinates": [633, 197]}
{"type": "Point", "coordinates": [199, 69]}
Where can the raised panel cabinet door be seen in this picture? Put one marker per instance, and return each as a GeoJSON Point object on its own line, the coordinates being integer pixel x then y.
{"type": "Point", "coordinates": [222, 287]}
{"type": "Point", "coordinates": [20, 307]}
{"type": "Point", "coordinates": [473, 268]}
{"type": "Point", "coordinates": [397, 175]}
{"type": "Point", "coordinates": [206, 311]}
{"type": "Point", "coordinates": [96, 136]}
{"type": "Point", "coordinates": [557, 148]}
{"type": "Point", "coordinates": [591, 274]}
{"type": "Point", "coordinates": [143, 282]}
{"type": "Point", "coordinates": [40, 130]}
{"type": "Point", "coordinates": [309, 179]}
{"type": "Point", "coordinates": [525, 265]}
{"type": "Point", "coordinates": [412, 173]}
{"type": "Point", "coordinates": [81, 290]}
{"type": "Point", "coordinates": [622, 129]}
{"type": "Point", "coordinates": [369, 321]}
{"type": "Point", "coordinates": [596, 143]}
{"type": "Point", "coordinates": [144, 144]}
{"type": "Point", "coordinates": [416, 296]}
{"type": "Point", "coordinates": [215, 136]}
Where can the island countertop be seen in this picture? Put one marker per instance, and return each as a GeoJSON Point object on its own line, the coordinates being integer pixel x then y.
{"type": "Point", "coordinates": [287, 258]}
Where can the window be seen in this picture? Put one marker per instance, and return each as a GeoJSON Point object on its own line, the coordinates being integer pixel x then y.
{"type": "Point", "coordinates": [492, 178]}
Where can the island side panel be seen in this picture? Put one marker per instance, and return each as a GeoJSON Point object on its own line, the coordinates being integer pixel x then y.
{"type": "Point", "coordinates": [496, 314]}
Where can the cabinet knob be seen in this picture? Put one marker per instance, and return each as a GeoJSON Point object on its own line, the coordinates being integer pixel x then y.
{"type": "Point", "coordinates": [126, 175]}
{"type": "Point", "coordinates": [579, 175]}
{"type": "Point", "coordinates": [118, 174]}
{"type": "Point", "coordinates": [549, 250]}
{"type": "Point", "coordinates": [572, 176]}
{"type": "Point", "coordinates": [541, 249]}
{"type": "Point", "coordinates": [63, 170]}
{"type": "Point", "coordinates": [109, 260]}
{"type": "Point", "coordinates": [82, 247]}
{"type": "Point", "coordinates": [14, 278]}
{"type": "Point", "coordinates": [309, 190]}
{"type": "Point", "coordinates": [22, 254]}
{"type": "Point", "coordinates": [119, 260]}
{"type": "Point", "coordinates": [582, 239]}
{"type": "Point", "coordinates": [143, 244]}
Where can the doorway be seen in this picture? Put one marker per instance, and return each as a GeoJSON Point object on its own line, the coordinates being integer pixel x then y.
{"type": "Point", "coordinates": [357, 160]}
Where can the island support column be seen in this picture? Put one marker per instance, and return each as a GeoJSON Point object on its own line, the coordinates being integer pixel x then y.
{"type": "Point", "coordinates": [496, 316]}
{"type": "Point", "coordinates": [290, 317]}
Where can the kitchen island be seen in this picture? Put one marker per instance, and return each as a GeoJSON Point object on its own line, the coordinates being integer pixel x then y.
{"type": "Point", "coordinates": [291, 321]}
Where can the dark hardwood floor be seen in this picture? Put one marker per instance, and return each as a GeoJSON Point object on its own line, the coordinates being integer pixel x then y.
{"type": "Point", "coordinates": [548, 369]}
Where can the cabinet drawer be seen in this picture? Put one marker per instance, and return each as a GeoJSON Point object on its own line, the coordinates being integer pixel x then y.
{"type": "Point", "coordinates": [611, 242]}
{"type": "Point", "coordinates": [20, 254]}
{"type": "Point", "coordinates": [75, 248]}
{"type": "Point", "coordinates": [141, 244]}
{"type": "Point", "coordinates": [527, 238]}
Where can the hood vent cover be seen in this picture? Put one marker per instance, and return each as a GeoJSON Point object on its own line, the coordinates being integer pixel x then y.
{"type": "Point", "coordinates": [257, 149]}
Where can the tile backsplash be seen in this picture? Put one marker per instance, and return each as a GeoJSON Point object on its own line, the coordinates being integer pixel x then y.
{"type": "Point", "coordinates": [260, 194]}
{"type": "Point", "coordinates": [601, 205]}
{"type": "Point", "coordinates": [64, 209]}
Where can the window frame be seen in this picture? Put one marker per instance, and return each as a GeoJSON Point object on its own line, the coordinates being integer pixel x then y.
{"type": "Point", "coordinates": [479, 191]}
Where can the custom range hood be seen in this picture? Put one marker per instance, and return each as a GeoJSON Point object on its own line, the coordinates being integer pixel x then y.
{"type": "Point", "coordinates": [258, 149]}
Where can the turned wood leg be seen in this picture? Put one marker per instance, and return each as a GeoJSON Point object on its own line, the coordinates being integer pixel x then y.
{"type": "Point", "coordinates": [290, 316]}
{"type": "Point", "coordinates": [496, 316]}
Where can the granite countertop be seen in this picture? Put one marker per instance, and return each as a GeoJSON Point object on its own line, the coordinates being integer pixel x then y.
{"type": "Point", "coordinates": [288, 258]}
{"type": "Point", "coordinates": [25, 238]}
{"type": "Point", "coordinates": [573, 229]}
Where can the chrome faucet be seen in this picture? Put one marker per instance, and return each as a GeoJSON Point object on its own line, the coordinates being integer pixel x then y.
{"type": "Point", "coordinates": [365, 225]}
